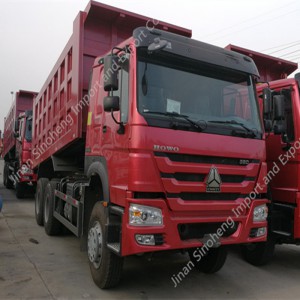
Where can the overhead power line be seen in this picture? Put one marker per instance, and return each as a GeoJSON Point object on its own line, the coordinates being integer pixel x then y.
{"type": "Point", "coordinates": [251, 26]}
{"type": "Point", "coordinates": [285, 48]}
{"type": "Point", "coordinates": [282, 45]}
{"type": "Point", "coordinates": [248, 20]}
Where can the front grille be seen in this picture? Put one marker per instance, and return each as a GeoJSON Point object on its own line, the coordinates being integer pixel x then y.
{"type": "Point", "coordinates": [199, 230]}
{"type": "Point", "coordinates": [207, 196]}
{"type": "Point", "coordinates": [201, 177]}
{"type": "Point", "coordinates": [202, 159]}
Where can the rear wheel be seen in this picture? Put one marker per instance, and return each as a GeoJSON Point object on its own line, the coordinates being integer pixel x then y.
{"type": "Point", "coordinates": [259, 254]}
{"type": "Point", "coordinates": [20, 190]}
{"type": "Point", "coordinates": [39, 200]}
{"type": "Point", "coordinates": [8, 183]}
{"type": "Point", "coordinates": [211, 262]}
{"type": "Point", "coordinates": [52, 225]}
{"type": "Point", "coordinates": [106, 267]}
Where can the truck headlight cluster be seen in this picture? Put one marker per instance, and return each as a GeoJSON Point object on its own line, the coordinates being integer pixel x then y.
{"type": "Point", "coordinates": [260, 213]}
{"type": "Point", "coordinates": [141, 215]}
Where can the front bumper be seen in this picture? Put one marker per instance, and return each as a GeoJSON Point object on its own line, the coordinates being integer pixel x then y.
{"type": "Point", "coordinates": [230, 223]}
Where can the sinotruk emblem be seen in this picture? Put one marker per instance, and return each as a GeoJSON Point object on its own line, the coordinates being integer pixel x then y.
{"type": "Point", "coordinates": [213, 181]}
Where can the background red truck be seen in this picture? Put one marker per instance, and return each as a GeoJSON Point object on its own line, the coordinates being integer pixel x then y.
{"type": "Point", "coordinates": [281, 113]}
{"type": "Point", "coordinates": [17, 144]}
{"type": "Point", "coordinates": [1, 144]}
{"type": "Point", "coordinates": [136, 146]}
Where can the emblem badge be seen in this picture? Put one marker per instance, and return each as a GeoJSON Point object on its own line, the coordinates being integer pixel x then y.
{"type": "Point", "coordinates": [213, 181]}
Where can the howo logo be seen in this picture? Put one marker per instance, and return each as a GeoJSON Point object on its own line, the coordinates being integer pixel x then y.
{"type": "Point", "coordinates": [213, 181]}
{"type": "Point", "coordinates": [166, 148]}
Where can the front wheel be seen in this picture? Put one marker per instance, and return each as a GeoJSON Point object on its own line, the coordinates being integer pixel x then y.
{"type": "Point", "coordinates": [51, 224]}
{"type": "Point", "coordinates": [39, 200]}
{"type": "Point", "coordinates": [8, 183]}
{"type": "Point", "coordinates": [20, 190]}
{"type": "Point", "coordinates": [106, 267]}
{"type": "Point", "coordinates": [259, 254]}
{"type": "Point", "coordinates": [208, 261]}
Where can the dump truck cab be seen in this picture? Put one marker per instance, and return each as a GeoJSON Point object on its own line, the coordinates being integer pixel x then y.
{"type": "Point", "coordinates": [280, 108]}
{"type": "Point", "coordinates": [175, 125]}
{"type": "Point", "coordinates": [18, 171]}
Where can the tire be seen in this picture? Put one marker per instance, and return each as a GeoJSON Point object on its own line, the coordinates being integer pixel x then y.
{"type": "Point", "coordinates": [106, 267]}
{"type": "Point", "coordinates": [6, 180]}
{"type": "Point", "coordinates": [52, 225]}
{"type": "Point", "coordinates": [20, 190]}
{"type": "Point", "coordinates": [39, 200]}
{"type": "Point", "coordinates": [259, 254]}
{"type": "Point", "coordinates": [212, 262]}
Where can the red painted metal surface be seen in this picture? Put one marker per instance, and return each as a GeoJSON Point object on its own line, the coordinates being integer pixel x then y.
{"type": "Point", "coordinates": [138, 169]}
{"type": "Point", "coordinates": [270, 68]}
{"type": "Point", "coordinates": [23, 101]}
{"type": "Point", "coordinates": [57, 121]}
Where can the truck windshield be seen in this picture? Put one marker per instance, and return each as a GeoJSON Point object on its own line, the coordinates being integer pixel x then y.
{"type": "Point", "coordinates": [220, 101]}
{"type": "Point", "coordinates": [28, 130]}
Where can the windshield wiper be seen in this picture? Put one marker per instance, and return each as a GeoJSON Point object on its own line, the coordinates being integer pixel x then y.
{"type": "Point", "coordinates": [177, 115]}
{"type": "Point", "coordinates": [250, 132]}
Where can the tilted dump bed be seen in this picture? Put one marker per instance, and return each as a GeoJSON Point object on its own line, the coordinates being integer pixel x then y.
{"type": "Point", "coordinates": [23, 101]}
{"type": "Point", "coordinates": [58, 123]}
{"type": "Point", "coordinates": [270, 68]}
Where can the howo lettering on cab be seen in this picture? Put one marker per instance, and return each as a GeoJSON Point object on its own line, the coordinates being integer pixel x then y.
{"type": "Point", "coordinates": [162, 149]}
{"type": "Point", "coordinates": [280, 109]}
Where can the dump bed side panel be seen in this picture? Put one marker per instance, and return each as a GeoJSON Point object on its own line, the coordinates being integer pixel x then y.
{"type": "Point", "coordinates": [269, 67]}
{"type": "Point", "coordinates": [60, 109]}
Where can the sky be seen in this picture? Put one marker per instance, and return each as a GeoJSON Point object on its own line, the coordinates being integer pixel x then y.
{"type": "Point", "coordinates": [33, 33]}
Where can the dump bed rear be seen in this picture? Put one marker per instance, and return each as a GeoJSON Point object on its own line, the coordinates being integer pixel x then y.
{"type": "Point", "coordinates": [270, 68]}
{"type": "Point", "coordinates": [23, 101]}
{"type": "Point", "coordinates": [58, 123]}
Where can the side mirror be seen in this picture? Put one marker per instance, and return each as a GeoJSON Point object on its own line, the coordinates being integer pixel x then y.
{"type": "Point", "coordinates": [268, 125]}
{"type": "Point", "coordinates": [111, 103]}
{"type": "Point", "coordinates": [267, 101]}
{"type": "Point", "coordinates": [16, 126]}
{"type": "Point", "coordinates": [279, 107]}
{"type": "Point", "coordinates": [111, 69]}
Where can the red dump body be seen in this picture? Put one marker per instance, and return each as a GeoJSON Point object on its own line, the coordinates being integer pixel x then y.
{"type": "Point", "coordinates": [23, 101]}
{"type": "Point", "coordinates": [95, 31]}
{"type": "Point", "coordinates": [270, 68]}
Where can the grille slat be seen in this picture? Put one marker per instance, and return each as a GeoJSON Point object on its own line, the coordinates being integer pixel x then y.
{"type": "Point", "coordinates": [207, 196]}
{"type": "Point", "coordinates": [202, 159]}
{"type": "Point", "coordinates": [201, 177]}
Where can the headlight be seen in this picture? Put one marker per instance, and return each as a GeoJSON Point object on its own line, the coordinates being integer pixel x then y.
{"type": "Point", "coordinates": [260, 213]}
{"type": "Point", "coordinates": [141, 215]}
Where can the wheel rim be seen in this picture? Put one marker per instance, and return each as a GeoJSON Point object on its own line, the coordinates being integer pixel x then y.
{"type": "Point", "coordinates": [95, 242]}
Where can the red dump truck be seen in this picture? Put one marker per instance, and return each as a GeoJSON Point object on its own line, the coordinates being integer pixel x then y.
{"type": "Point", "coordinates": [281, 112]}
{"type": "Point", "coordinates": [17, 171]}
{"type": "Point", "coordinates": [147, 140]}
{"type": "Point", "coordinates": [1, 144]}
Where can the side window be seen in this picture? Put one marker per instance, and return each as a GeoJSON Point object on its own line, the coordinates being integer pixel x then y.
{"type": "Point", "coordinates": [21, 128]}
{"type": "Point", "coordinates": [289, 115]}
{"type": "Point", "coordinates": [124, 87]}
{"type": "Point", "coordinates": [123, 92]}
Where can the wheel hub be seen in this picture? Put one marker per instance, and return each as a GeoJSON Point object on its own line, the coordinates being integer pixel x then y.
{"type": "Point", "coordinates": [95, 245]}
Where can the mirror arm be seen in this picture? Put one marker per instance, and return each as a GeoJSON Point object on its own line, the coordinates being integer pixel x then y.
{"type": "Point", "coordinates": [121, 129]}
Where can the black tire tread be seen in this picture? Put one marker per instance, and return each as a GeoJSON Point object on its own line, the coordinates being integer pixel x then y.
{"type": "Point", "coordinates": [212, 262]}
{"type": "Point", "coordinates": [109, 274]}
{"type": "Point", "coordinates": [40, 187]}
{"type": "Point", "coordinates": [53, 226]}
